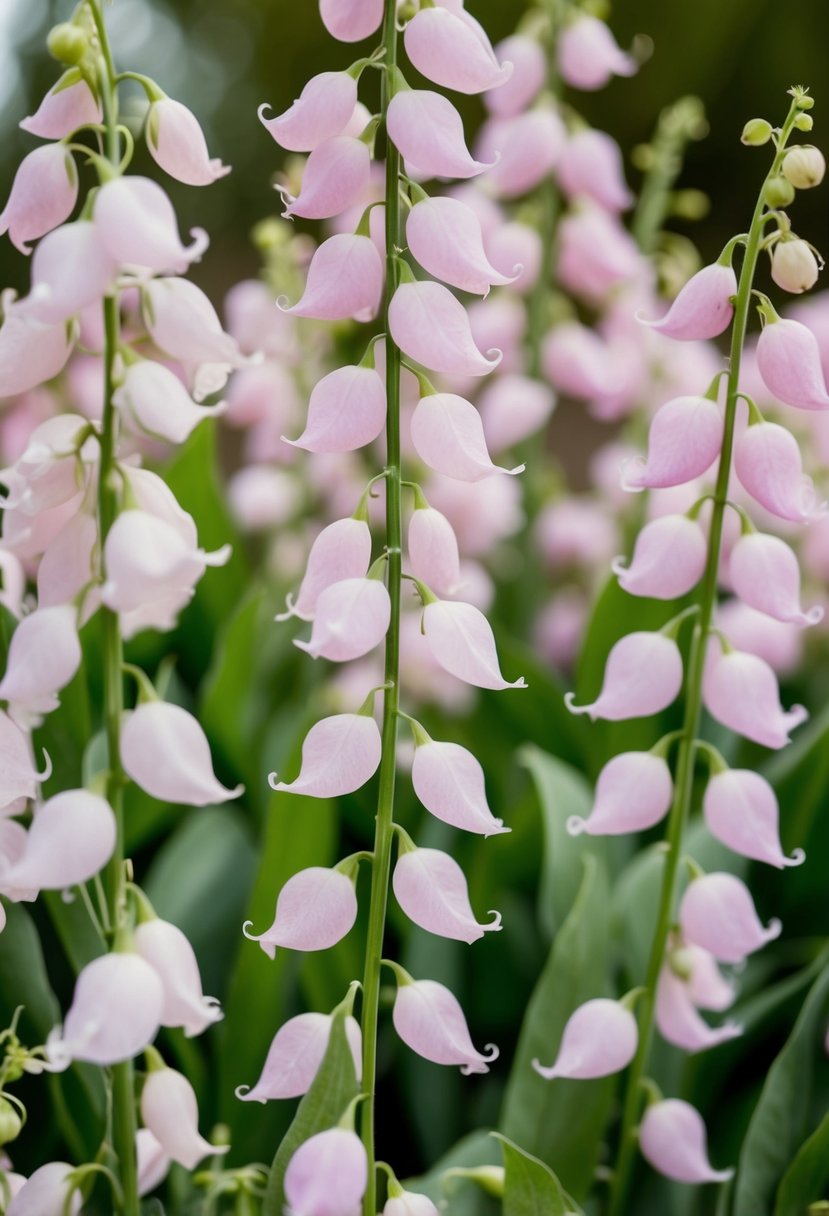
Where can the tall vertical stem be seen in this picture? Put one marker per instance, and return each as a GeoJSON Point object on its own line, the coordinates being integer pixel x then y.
{"type": "Point", "coordinates": [684, 781]}
{"type": "Point", "coordinates": [381, 864]}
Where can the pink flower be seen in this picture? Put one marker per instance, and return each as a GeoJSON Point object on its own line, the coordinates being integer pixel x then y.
{"type": "Point", "coordinates": [528, 77]}
{"type": "Point", "coordinates": [183, 323]}
{"type": "Point", "coordinates": [67, 568]}
{"type": "Point", "coordinates": [345, 279]}
{"type": "Point", "coordinates": [176, 142]}
{"type": "Point", "coordinates": [71, 838]}
{"type": "Point", "coordinates": [634, 792]}
{"type": "Point", "coordinates": [315, 909]}
{"type": "Point", "coordinates": [449, 782]}
{"type": "Point", "coordinates": [578, 362]}
{"type": "Point", "coordinates": [448, 436]}
{"type": "Point", "coordinates": [18, 776]}
{"type": "Point", "coordinates": [452, 50]}
{"type": "Point", "coordinates": [741, 811]}
{"type": "Point", "coordinates": [43, 195]}
{"type": "Point", "coordinates": [596, 253]}
{"type": "Point", "coordinates": [684, 440]}
{"type": "Point", "coordinates": [340, 551]}
{"type": "Point", "coordinates": [295, 1055]}
{"type": "Point", "coordinates": [588, 55]}
{"type": "Point", "coordinates": [429, 1019]}
{"type": "Point", "coordinates": [740, 690]}
{"type": "Point", "coordinates": [642, 676]}
{"type": "Point", "coordinates": [347, 410]}
{"type": "Point", "coordinates": [328, 1174]}
{"type": "Point", "coordinates": [515, 249]}
{"type": "Point", "coordinates": [351, 618]}
{"type": "Point", "coordinates": [788, 359]}
{"type": "Point", "coordinates": [599, 1039]}
{"type": "Point", "coordinates": [461, 640]}
{"type": "Point", "coordinates": [668, 559]}
{"type": "Point", "coordinates": [428, 131]}
{"type": "Point", "coordinates": [154, 401]}
{"type": "Point", "coordinates": [717, 913]}
{"type": "Point", "coordinates": [524, 150]}
{"type": "Point", "coordinates": [71, 270]}
{"type": "Point", "coordinates": [67, 106]}
{"type": "Point", "coordinates": [431, 889]}
{"type": "Point", "coordinates": [590, 166]}
{"type": "Point", "coordinates": [44, 655]}
{"type": "Point", "coordinates": [339, 755]}
{"type": "Point", "coordinates": [166, 949]}
{"type": "Point", "coordinates": [764, 573]}
{"type": "Point", "coordinates": [153, 1162]}
{"type": "Point", "coordinates": [768, 463]}
{"type": "Point", "coordinates": [45, 1192]}
{"type": "Point", "coordinates": [678, 1019]}
{"type": "Point", "coordinates": [165, 751]}
{"type": "Point", "coordinates": [30, 353]}
{"type": "Point", "coordinates": [336, 177]}
{"type": "Point", "coordinates": [445, 237]}
{"type": "Point", "coordinates": [513, 408]}
{"type": "Point", "coordinates": [350, 21]}
{"type": "Point", "coordinates": [703, 309]}
{"type": "Point", "coordinates": [137, 224]}
{"type": "Point", "coordinates": [673, 1140]}
{"type": "Point", "coordinates": [432, 327]}
{"type": "Point", "coordinates": [170, 1111]}
{"type": "Point", "coordinates": [410, 1203]}
{"type": "Point", "coordinates": [321, 111]}
{"type": "Point", "coordinates": [433, 551]}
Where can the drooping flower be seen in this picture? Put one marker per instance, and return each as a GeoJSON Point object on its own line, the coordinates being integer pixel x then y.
{"type": "Point", "coordinates": [410, 1203]}
{"type": "Point", "coordinates": [154, 401]}
{"type": "Point", "coordinates": [30, 352]}
{"type": "Point", "coordinates": [69, 105]}
{"type": "Point", "coordinates": [321, 112]}
{"type": "Point", "coordinates": [153, 1163]}
{"type": "Point", "coordinates": [315, 909]}
{"type": "Point", "coordinates": [599, 1039]}
{"type": "Point", "coordinates": [794, 266]}
{"type": "Point", "coordinates": [176, 143]}
{"type": "Point", "coordinates": [339, 755]}
{"type": "Point", "coordinates": [328, 1174]}
{"type": "Point", "coordinates": [740, 690]}
{"type": "Point", "coordinates": [678, 1019]}
{"type": "Point", "coordinates": [170, 1111]}
{"type": "Point", "coordinates": [351, 21]}
{"type": "Point", "coordinates": [18, 776]}
{"type": "Point", "coordinates": [718, 914]}
{"type": "Point", "coordinates": [351, 618]}
{"type": "Point", "coordinates": [341, 551]}
{"type": "Point", "coordinates": [673, 1140]}
{"type": "Point", "coordinates": [741, 810]}
{"type": "Point", "coordinates": [461, 640]}
{"type": "Point", "coordinates": [588, 55]}
{"type": "Point", "coordinates": [345, 279]}
{"type": "Point", "coordinates": [451, 49]}
{"type": "Point", "coordinates": [183, 323]}
{"type": "Point", "coordinates": [71, 838]}
{"type": "Point", "coordinates": [590, 165]}
{"type": "Point", "coordinates": [788, 359]}
{"type": "Point", "coordinates": [137, 225]}
{"type": "Point", "coordinates": [765, 574]}
{"type": "Point", "coordinates": [528, 77]}
{"type": "Point", "coordinates": [336, 177]}
{"type": "Point", "coordinates": [523, 149]}
{"type": "Point", "coordinates": [431, 326]}
{"type": "Point", "coordinates": [668, 559]}
{"type": "Point", "coordinates": [634, 791]}
{"type": "Point", "coordinates": [684, 440]}
{"type": "Point", "coordinates": [445, 237]}
{"type": "Point", "coordinates": [46, 1191]}
{"type": "Point", "coordinates": [165, 751]}
{"type": "Point", "coordinates": [295, 1055]}
{"type": "Point", "coordinates": [431, 889]}
{"type": "Point", "coordinates": [346, 410]}
{"type": "Point", "coordinates": [432, 550]}
{"type": "Point", "coordinates": [428, 131]}
{"type": "Point", "coordinates": [703, 309]}
{"type": "Point", "coordinates": [43, 195]}
{"type": "Point", "coordinates": [448, 436]}
{"type": "Point", "coordinates": [512, 408]}
{"type": "Point", "coordinates": [429, 1019]}
{"type": "Point", "coordinates": [449, 782]}
{"type": "Point", "coordinates": [642, 676]}
{"type": "Point", "coordinates": [768, 464]}
{"type": "Point", "coordinates": [168, 952]}
{"type": "Point", "coordinates": [44, 655]}
{"type": "Point", "coordinates": [71, 270]}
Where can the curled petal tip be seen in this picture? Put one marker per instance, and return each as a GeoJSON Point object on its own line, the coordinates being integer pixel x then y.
{"type": "Point", "coordinates": [576, 826]}
{"type": "Point", "coordinates": [814, 615]}
{"type": "Point", "coordinates": [631, 487]}
{"type": "Point", "coordinates": [246, 927]}
{"type": "Point", "coordinates": [496, 924]}
{"type": "Point", "coordinates": [47, 769]}
{"type": "Point", "coordinates": [543, 1070]}
{"type": "Point", "coordinates": [570, 702]}
{"type": "Point", "coordinates": [797, 858]}
{"type": "Point", "coordinates": [773, 929]}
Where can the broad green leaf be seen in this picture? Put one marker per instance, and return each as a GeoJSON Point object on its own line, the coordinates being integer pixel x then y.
{"type": "Point", "coordinates": [530, 1187]}
{"type": "Point", "coordinates": [461, 1197]}
{"type": "Point", "coordinates": [333, 1088]}
{"type": "Point", "coordinates": [562, 1121]}
{"type": "Point", "coordinates": [777, 1126]}
{"type": "Point", "coordinates": [806, 1179]}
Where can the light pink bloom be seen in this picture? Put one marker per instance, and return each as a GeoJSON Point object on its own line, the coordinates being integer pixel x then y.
{"type": "Point", "coordinates": [71, 838]}
{"type": "Point", "coordinates": [351, 21]}
{"type": "Point", "coordinates": [590, 166]}
{"type": "Point", "coordinates": [44, 654]}
{"type": "Point", "coordinates": [153, 400]}
{"type": "Point", "coordinates": [600, 1038]}
{"type": "Point", "coordinates": [165, 751]}
{"type": "Point", "coordinates": [429, 1019]}
{"type": "Point", "coordinates": [432, 327]}
{"type": "Point", "coordinates": [431, 889]}
{"type": "Point", "coordinates": [523, 150]}
{"type": "Point", "coordinates": [345, 279]}
{"type": "Point", "coordinates": [433, 551]}
{"type": "Point", "coordinates": [513, 408]}
{"type": "Point", "coordinates": [595, 254]}
{"type": "Point", "coordinates": [706, 985]}
{"type": "Point", "coordinates": [43, 195]}
{"type": "Point", "coordinates": [428, 131]}
{"type": "Point", "coordinates": [154, 496]}
{"type": "Point", "coordinates": [45, 1193]}
{"type": "Point", "coordinates": [18, 776]}
{"type": "Point", "coordinates": [764, 573]}
{"type": "Point", "coordinates": [445, 236]}
{"type": "Point", "coordinates": [453, 52]}
{"type": "Point", "coordinates": [295, 1055]}
{"type": "Point", "coordinates": [740, 690]}
{"type": "Point", "coordinates": [315, 909]}
{"type": "Point", "coordinates": [347, 410]}
{"type": "Point", "coordinates": [788, 359]}
{"type": "Point", "coordinates": [168, 952]}
{"type": "Point", "coordinates": [328, 1174]}
{"type": "Point", "coordinates": [528, 77]}
{"type": "Point", "coordinates": [717, 913]}
{"type": "Point", "coordinates": [183, 323]}
{"type": "Point", "coordinates": [588, 54]}
{"type": "Point", "coordinates": [71, 270]}
{"type": "Point", "coordinates": [30, 353]}
{"type": "Point", "coordinates": [768, 463]}
{"type": "Point", "coordinates": [741, 811]}
{"type": "Point", "coordinates": [410, 1203]}
{"type": "Point", "coordinates": [448, 436]}
{"type": "Point", "coordinates": [577, 361]}
{"type": "Point", "coordinates": [684, 440]}
{"type": "Point", "coordinates": [678, 1020]}
{"type": "Point", "coordinates": [340, 551]}
{"type": "Point", "coordinates": [673, 1140]}
{"type": "Point", "coordinates": [115, 1013]}
{"type": "Point", "coordinates": [336, 176]}
{"type": "Point", "coordinates": [47, 471]}
{"type": "Point", "coordinates": [322, 111]}
{"type": "Point", "coordinates": [351, 618]}
{"type": "Point", "coordinates": [67, 106]}
{"type": "Point", "coordinates": [516, 249]}
{"type": "Point", "coordinates": [703, 309]}
{"type": "Point", "coordinates": [449, 782]}
{"type": "Point", "coordinates": [67, 567]}
{"type": "Point", "coordinates": [668, 559]}
{"type": "Point", "coordinates": [170, 1111]}
{"type": "Point", "coordinates": [153, 1162]}
{"type": "Point", "coordinates": [461, 640]}
{"type": "Point", "coordinates": [779, 645]}
{"type": "Point", "coordinates": [634, 791]}
{"type": "Point", "coordinates": [339, 755]}
{"type": "Point", "coordinates": [642, 676]}
{"type": "Point", "coordinates": [138, 227]}
{"type": "Point", "coordinates": [176, 143]}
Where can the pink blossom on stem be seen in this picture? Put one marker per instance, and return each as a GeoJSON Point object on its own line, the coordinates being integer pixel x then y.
{"type": "Point", "coordinates": [768, 463]}
{"type": "Point", "coordinates": [428, 131]}
{"type": "Point", "coordinates": [339, 755]}
{"type": "Point", "coordinates": [431, 889]}
{"type": "Point", "coordinates": [30, 352]}
{"type": "Point", "coordinates": [678, 1020]}
{"type": "Point", "coordinates": [153, 400]}
{"type": "Point", "coordinates": [176, 143]}
{"type": "Point", "coordinates": [513, 408]}
{"type": "Point", "coordinates": [668, 559]}
{"type": "Point", "coordinates": [634, 791]}
{"type": "Point", "coordinates": [351, 21]}
{"type": "Point", "coordinates": [596, 253]}
{"type": "Point", "coordinates": [170, 1111]}
{"type": "Point", "coordinates": [590, 166]}
{"type": "Point", "coordinates": [43, 195]}
{"type": "Point", "coordinates": [67, 567]}
{"type": "Point", "coordinates": [165, 751]}
{"type": "Point", "coordinates": [345, 279]}
{"type": "Point", "coordinates": [588, 54]}
{"type": "Point", "coordinates": [153, 1162]}
{"type": "Point", "coordinates": [515, 250]}
{"type": "Point", "coordinates": [445, 237]}
{"type": "Point", "coordinates": [18, 776]}
{"type": "Point", "coordinates": [788, 359]}
{"type": "Point", "coordinates": [461, 640]}
{"type": "Point", "coordinates": [740, 690]}
{"type": "Point", "coordinates": [137, 225]}
{"type": "Point", "coordinates": [46, 1192]}
{"type": "Point", "coordinates": [351, 618]}
{"type": "Point", "coordinates": [684, 440]}
{"type": "Point", "coordinates": [295, 1055]}
{"type": "Point", "coordinates": [336, 176]}
{"type": "Point", "coordinates": [44, 655]}
{"type": "Point", "coordinates": [71, 270]}
{"type": "Point", "coordinates": [69, 105]}
{"type": "Point", "coordinates": [741, 810]}
{"type": "Point", "coordinates": [432, 327]}
{"type": "Point", "coordinates": [703, 309]}
{"type": "Point", "coordinates": [167, 950]}
{"type": "Point", "coordinates": [449, 782]}
{"type": "Point", "coordinates": [183, 323]}
{"type": "Point", "coordinates": [599, 1039]}
{"type": "Point", "coordinates": [764, 573]}
{"type": "Point", "coordinates": [448, 436]}
{"type": "Point", "coordinates": [433, 551]}
{"type": "Point", "coordinates": [322, 111]}
{"type": "Point", "coordinates": [673, 1140]}
{"type": "Point", "coordinates": [71, 838]}
{"type": "Point", "coordinates": [528, 77]}
{"type": "Point", "coordinates": [328, 1174]}
{"type": "Point", "coordinates": [453, 52]}
{"type": "Point", "coordinates": [430, 1021]}
{"type": "Point", "coordinates": [642, 676]}
{"type": "Point", "coordinates": [340, 551]}
{"type": "Point", "coordinates": [717, 913]}
{"type": "Point", "coordinates": [522, 150]}
{"type": "Point", "coordinates": [347, 410]}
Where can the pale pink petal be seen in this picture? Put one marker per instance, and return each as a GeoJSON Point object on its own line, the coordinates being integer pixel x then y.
{"type": "Point", "coordinates": [345, 279]}
{"type": "Point", "coordinates": [44, 655]}
{"type": "Point", "coordinates": [71, 838]}
{"type": "Point", "coordinates": [433, 551]}
{"type": "Point", "coordinates": [448, 436]}
{"type": "Point", "coordinates": [741, 811]}
{"type": "Point", "coordinates": [30, 353]}
{"type": "Point", "coordinates": [703, 309]}
{"type": "Point", "coordinates": [432, 327]}
{"type": "Point", "coordinates": [445, 237]}
{"type": "Point", "coordinates": [596, 254]}
{"type": "Point", "coordinates": [599, 1039]}
{"type": "Point", "coordinates": [169, 954]}
{"type": "Point", "coordinates": [138, 227]}
{"type": "Point", "coordinates": [452, 52]}
{"type": "Point", "coordinates": [18, 776]}
{"type": "Point", "coordinates": [176, 142]}
{"type": "Point", "coordinates": [431, 889]}
{"type": "Point", "coordinates": [449, 782]}
{"type": "Point", "coordinates": [336, 176]}
{"type": "Point", "coordinates": [322, 110]}
{"type": "Point", "coordinates": [590, 166]}
{"type": "Point", "coordinates": [69, 105]}
{"type": "Point", "coordinates": [513, 408]}
{"type": "Point", "coordinates": [668, 559]}
{"type": "Point", "coordinates": [678, 1020]}
{"type": "Point", "coordinates": [588, 54]}
{"type": "Point", "coordinates": [642, 676]}
{"type": "Point", "coordinates": [170, 1111]}
{"type": "Point", "coordinates": [66, 567]}
{"type": "Point", "coordinates": [634, 792]}
{"type": "Point", "coordinates": [789, 361]}
{"type": "Point", "coordinates": [295, 1055]}
{"type": "Point", "coordinates": [183, 323]}
{"type": "Point", "coordinates": [315, 909]}
{"type": "Point", "coordinates": [347, 410]}
{"type": "Point", "coordinates": [328, 1174]}
{"type": "Point", "coordinates": [341, 551]}
{"type": "Point", "coordinates": [339, 755]}
{"type": "Point", "coordinates": [43, 195]}
{"type": "Point", "coordinates": [351, 618]}
{"type": "Point", "coordinates": [154, 401]}
{"type": "Point", "coordinates": [523, 150]}
{"type": "Point", "coordinates": [516, 250]}
{"type": "Point", "coordinates": [717, 913]}
{"type": "Point", "coordinates": [351, 20]}
{"type": "Point", "coordinates": [768, 463]}
{"type": "Point", "coordinates": [528, 77]}
{"type": "Point", "coordinates": [153, 1162]}
{"type": "Point", "coordinates": [428, 131]}
{"type": "Point", "coordinates": [764, 573]}
{"type": "Point", "coordinates": [740, 690]}
{"type": "Point", "coordinates": [71, 269]}
{"type": "Point", "coordinates": [706, 983]}
{"type": "Point", "coordinates": [45, 1192]}
{"type": "Point", "coordinates": [165, 751]}
{"type": "Point", "coordinates": [429, 1019]}
{"type": "Point", "coordinates": [461, 640]}
{"type": "Point", "coordinates": [673, 1140]}
{"type": "Point", "coordinates": [684, 440]}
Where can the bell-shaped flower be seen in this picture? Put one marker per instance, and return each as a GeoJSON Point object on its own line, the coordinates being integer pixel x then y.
{"type": "Point", "coordinates": [678, 1020]}
{"type": "Point", "coordinates": [717, 913]}
{"type": "Point", "coordinates": [684, 440]}
{"type": "Point", "coordinates": [590, 166]}
{"type": "Point", "coordinates": [345, 279]}
{"type": "Point", "coordinates": [336, 177]}
{"type": "Point", "coordinates": [427, 130]}
{"type": "Point", "coordinates": [340, 551]}
{"type": "Point", "coordinates": [68, 566]}
{"type": "Point", "coordinates": [165, 751]}
{"type": "Point", "coordinates": [703, 308]}
{"type": "Point", "coordinates": [429, 1019]}
{"type": "Point", "coordinates": [450, 783]}
{"type": "Point", "coordinates": [153, 1163]}
{"type": "Point", "coordinates": [642, 676]}
{"type": "Point", "coordinates": [452, 52]}
{"type": "Point", "coordinates": [512, 408]}
{"type": "Point", "coordinates": [448, 436]}
{"type": "Point", "coordinates": [740, 690]}
{"type": "Point", "coordinates": [18, 776]}
{"type": "Point", "coordinates": [673, 1140]}
{"type": "Point", "coordinates": [634, 791]}
{"type": "Point", "coordinates": [115, 1013]}
{"type": "Point", "coordinates": [741, 810]}
{"type": "Point", "coordinates": [346, 410]}
{"type": "Point", "coordinates": [71, 270]}
{"type": "Point", "coordinates": [176, 143]}
{"type": "Point", "coordinates": [322, 111]}
{"type": "Point", "coordinates": [433, 551]}
{"type": "Point", "coordinates": [13, 839]}
{"type": "Point", "coordinates": [445, 236]}
{"type": "Point", "coordinates": [596, 253]}
{"type": "Point", "coordinates": [707, 986]}
{"type": "Point", "coordinates": [315, 909]}
{"type": "Point", "coordinates": [44, 655]}
{"type": "Point", "coordinates": [516, 251]}
{"type": "Point", "coordinates": [410, 1203]}
{"type": "Point", "coordinates": [789, 361]}
{"type": "Point", "coordinates": [339, 755]}
{"type": "Point", "coordinates": [794, 266]}
{"type": "Point", "coordinates": [527, 79]}
{"type": "Point", "coordinates": [588, 54]}
{"type": "Point", "coordinates": [154, 401]}
{"type": "Point", "coordinates": [431, 889]}
{"type": "Point", "coordinates": [46, 473]}
{"type": "Point", "coordinates": [764, 573]}
{"type": "Point", "coordinates": [668, 559]}
{"type": "Point", "coordinates": [168, 952]}
{"type": "Point", "coordinates": [183, 323]}
{"type": "Point", "coordinates": [71, 838]}
{"type": "Point", "coordinates": [768, 463]}
{"type": "Point", "coordinates": [69, 105]}
{"type": "Point", "coordinates": [328, 1174]}
{"type": "Point", "coordinates": [351, 21]}
{"type": "Point", "coordinates": [431, 326]}
{"type": "Point", "coordinates": [153, 495]}
{"type": "Point", "coordinates": [295, 1055]}
{"type": "Point", "coordinates": [43, 195]}
{"type": "Point", "coordinates": [599, 1039]}
{"type": "Point", "coordinates": [137, 225]}
{"type": "Point", "coordinates": [524, 150]}
{"type": "Point", "coordinates": [46, 1193]}
{"type": "Point", "coordinates": [170, 1111]}
{"type": "Point", "coordinates": [31, 353]}
{"type": "Point", "coordinates": [462, 642]}
{"type": "Point", "coordinates": [351, 618]}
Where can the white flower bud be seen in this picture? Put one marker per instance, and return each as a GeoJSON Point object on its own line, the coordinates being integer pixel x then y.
{"type": "Point", "coordinates": [804, 167]}
{"type": "Point", "coordinates": [793, 266]}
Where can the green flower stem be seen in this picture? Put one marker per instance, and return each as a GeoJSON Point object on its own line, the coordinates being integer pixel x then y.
{"type": "Point", "coordinates": [679, 123]}
{"type": "Point", "coordinates": [688, 747]}
{"type": "Point", "coordinates": [384, 830]}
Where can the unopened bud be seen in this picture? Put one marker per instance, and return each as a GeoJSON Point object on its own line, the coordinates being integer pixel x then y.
{"type": "Point", "coordinates": [67, 43]}
{"type": "Point", "coordinates": [11, 1123]}
{"type": "Point", "coordinates": [804, 122]}
{"type": "Point", "coordinates": [793, 266]}
{"type": "Point", "coordinates": [756, 132]}
{"type": "Point", "coordinates": [778, 192]}
{"type": "Point", "coordinates": [804, 167]}
{"type": "Point", "coordinates": [691, 204]}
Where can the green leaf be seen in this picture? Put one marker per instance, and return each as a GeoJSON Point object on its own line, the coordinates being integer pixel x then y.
{"type": "Point", "coordinates": [806, 1179]}
{"type": "Point", "coordinates": [777, 1126]}
{"type": "Point", "coordinates": [530, 1187]}
{"type": "Point", "coordinates": [562, 1121]}
{"type": "Point", "coordinates": [461, 1197]}
{"type": "Point", "coordinates": [333, 1088]}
